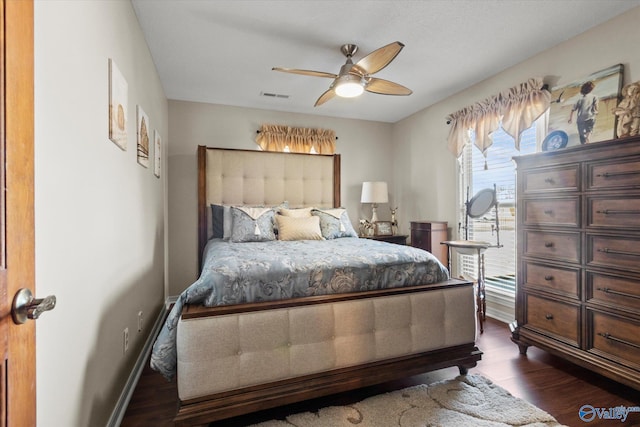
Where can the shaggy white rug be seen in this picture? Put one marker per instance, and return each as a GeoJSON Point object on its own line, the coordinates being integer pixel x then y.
{"type": "Point", "coordinates": [466, 401]}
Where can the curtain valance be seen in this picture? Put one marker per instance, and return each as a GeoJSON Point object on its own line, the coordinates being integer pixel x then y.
{"type": "Point", "coordinates": [299, 140]}
{"type": "Point", "coordinates": [516, 108]}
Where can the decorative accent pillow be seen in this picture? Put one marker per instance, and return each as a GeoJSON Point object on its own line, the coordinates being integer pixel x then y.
{"type": "Point", "coordinates": [252, 224]}
{"type": "Point", "coordinates": [217, 221]}
{"type": "Point", "coordinates": [335, 223]}
{"type": "Point", "coordinates": [221, 221]}
{"type": "Point", "coordinates": [296, 213]}
{"type": "Point", "coordinates": [304, 228]}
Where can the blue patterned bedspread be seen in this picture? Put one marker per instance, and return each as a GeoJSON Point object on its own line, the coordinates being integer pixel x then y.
{"type": "Point", "coordinates": [236, 273]}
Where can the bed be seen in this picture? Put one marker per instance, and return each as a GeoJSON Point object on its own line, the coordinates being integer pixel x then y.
{"type": "Point", "coordinates": [310, 311]}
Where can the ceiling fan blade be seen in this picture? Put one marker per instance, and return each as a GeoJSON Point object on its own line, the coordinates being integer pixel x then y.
{"type": "Point", "coordinates": [325, 97]}
{"type": "Point", "coordinates": [305, 72]}
{"type": "Point", "coordinates": [378, 59]}
{"type": "Point", "coordinates": [385, 87]}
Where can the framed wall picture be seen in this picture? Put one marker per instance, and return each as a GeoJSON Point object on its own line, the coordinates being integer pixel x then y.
{"type": "Point", "coordinates": [383, 228]}
{"type": "Point", "coordinates": [157, 153]}
{"type": "Point", "coordinates": [582, 111]}
{"type": "Point", "coordinates": [118, 94]}
{"type": "Point", "coordinates": [143, 137]}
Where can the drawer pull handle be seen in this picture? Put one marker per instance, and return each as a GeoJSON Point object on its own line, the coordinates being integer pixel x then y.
{"type": "Point", "coordinates": [548, 211]}
{"type": "Point", "coordinates": [608, 174]}
{"type": "Point", "coordinates": [549, 180]}
{"type": "Point", "coordinates": [548, 244]}
{"type": "Point", "coordinates": [547, 278]}
{"type": "Point", "coordinates": [614, 292]}
{"type": "Point", "coordinates": [608, 336]}
{"type": "Point", "coordinates": [548, 316]}
{"type": "Point", "coordinates": [613, 251]}
{"type": "Point", "coordinates": [618, 212]}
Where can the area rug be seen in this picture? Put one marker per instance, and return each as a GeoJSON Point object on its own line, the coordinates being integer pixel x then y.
{"type": "Point", "coordinates": [466, 401]}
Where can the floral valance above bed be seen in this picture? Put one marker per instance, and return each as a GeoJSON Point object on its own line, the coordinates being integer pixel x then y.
{"type": "Point", "coordinates": [297, 140]}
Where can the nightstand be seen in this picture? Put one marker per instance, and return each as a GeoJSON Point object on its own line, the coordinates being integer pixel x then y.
{"type": "Point", "coordinates": [427, 235]}
{"type": "Point", "coordinates": [397, 239]}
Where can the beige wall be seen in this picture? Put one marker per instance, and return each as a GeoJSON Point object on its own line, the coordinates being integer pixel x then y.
{"type": "Point", "coordinates": [99, 215]}
{"type": "Point", "coordinates": [425, 181]}
{"type": "Point", "coordinates": [364, 147]}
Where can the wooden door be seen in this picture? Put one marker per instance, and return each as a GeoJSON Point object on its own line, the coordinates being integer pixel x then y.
{"type": "Point", "coordinates": [17, 342]}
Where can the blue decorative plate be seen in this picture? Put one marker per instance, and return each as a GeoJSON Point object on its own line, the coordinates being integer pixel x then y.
{"type": "Point", "coordinates": [555, 141]}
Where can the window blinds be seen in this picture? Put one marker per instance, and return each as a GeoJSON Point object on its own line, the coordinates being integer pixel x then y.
{"type": "Point", "coordinates": [500, 170]}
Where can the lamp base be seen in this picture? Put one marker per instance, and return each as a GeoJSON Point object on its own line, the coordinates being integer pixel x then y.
{"type": "Point", "coordinates": [374, 213]}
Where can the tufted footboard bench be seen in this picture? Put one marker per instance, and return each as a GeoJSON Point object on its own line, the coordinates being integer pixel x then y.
{"type": "Point", "coordinates": [233, 360]}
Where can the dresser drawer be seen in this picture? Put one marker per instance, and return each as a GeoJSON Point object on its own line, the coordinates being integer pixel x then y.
{"type": "Point", "coordinates": [552, 279]}
{"type": "Point", "coordinates": [552, 245]}
{"type": "Point", "coordinates": [613, 291]}
{"type": "Point", "coordinates": [565, 212]}
{"type": "Point", "coordinates": [613, 251]}
{"type": "Point", "coordinates": [553, 317]}
{"type": "Point", "coordinates": [615, 337]}
{"type": "Point", "coordinates": [564, 178]}
{"type": "Point", "coordinates": [616, 174]}
{"type": "Point", "coordinates": [618, 212]}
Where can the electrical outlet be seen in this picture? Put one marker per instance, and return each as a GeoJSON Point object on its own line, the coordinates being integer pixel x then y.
{"type": "Point", "coordinates": [140, 321]}
{"type": "Point", "coordinates": [126, 339]}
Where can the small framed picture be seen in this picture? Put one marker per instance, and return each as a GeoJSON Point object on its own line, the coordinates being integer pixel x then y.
{"type": "Point", "coordinates": [383, 228]}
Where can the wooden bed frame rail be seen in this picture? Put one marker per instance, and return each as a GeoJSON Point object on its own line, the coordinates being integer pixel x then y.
{"type": "Point", "coordinates": [195, 311]}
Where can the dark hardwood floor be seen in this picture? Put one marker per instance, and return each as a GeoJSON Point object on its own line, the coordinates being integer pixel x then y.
{"type": "Point", "coordinates": [549, 382]}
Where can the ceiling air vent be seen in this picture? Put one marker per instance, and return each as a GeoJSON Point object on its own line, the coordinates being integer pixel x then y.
{"type": "Point", "coordinates": [274, 95]}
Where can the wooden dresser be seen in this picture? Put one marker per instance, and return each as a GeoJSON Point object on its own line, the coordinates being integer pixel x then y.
{"type": "Point", "coordinates": [427, 235]}
{"type": "Point", "coordinates": [578, 256]}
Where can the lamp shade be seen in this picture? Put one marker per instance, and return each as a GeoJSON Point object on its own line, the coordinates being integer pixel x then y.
{"type": "Point", "coordinates": [374, 192]}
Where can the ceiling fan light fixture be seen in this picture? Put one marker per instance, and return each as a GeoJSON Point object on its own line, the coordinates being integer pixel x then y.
{"type": "Point", "coordinates": [349, 86]}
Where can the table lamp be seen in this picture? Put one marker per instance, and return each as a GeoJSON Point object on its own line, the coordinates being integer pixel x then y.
{"type": "Point", "coordinates": [374, 193]}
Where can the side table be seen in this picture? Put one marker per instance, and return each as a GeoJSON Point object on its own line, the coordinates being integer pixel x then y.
{"type": "Point", "coordinates": [473, 247]}
{"type": "Point", "coordinates": [428, 234]}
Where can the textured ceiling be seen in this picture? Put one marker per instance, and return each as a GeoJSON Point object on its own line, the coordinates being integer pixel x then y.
{"type": "Point", "coordinates": [222, 52]}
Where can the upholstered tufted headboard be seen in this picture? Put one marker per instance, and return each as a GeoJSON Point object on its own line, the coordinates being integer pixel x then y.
{"type": "Point", "coordinates": [247, 177]}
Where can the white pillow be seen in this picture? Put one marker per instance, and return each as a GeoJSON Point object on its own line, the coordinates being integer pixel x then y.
{"type": "Point", "coordinates": [292, 228]}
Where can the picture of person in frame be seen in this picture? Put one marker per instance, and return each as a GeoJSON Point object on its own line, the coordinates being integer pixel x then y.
{"type": "Point", "coordinates": [587, 109]}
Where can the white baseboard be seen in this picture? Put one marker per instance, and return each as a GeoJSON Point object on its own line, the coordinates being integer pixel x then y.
{"type": "Point", "coordinates": [170, 301]}
{"type": "Point", "coordinates": [500, 305]}
{"type": "Point", "coordinates": [125, 397]}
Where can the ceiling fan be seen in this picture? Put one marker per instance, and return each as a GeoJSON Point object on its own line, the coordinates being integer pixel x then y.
{"type": "Point", "coordinates": [354, 79]}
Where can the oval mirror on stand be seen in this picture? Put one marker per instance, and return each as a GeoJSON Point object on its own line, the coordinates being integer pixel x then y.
{"type": "Point", "coordinates": [481, 203]}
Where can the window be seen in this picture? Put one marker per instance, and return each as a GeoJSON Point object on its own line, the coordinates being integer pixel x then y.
{"type": "Point", "coordinates": [500, 170]}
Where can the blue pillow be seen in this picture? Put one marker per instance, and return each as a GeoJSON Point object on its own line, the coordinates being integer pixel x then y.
{"type": "Point", "coordinates": [252, 224]}
{"type": "Point", "coordinates": [335, 223]}
{"type": "Point", "coordinates": [217, 219]}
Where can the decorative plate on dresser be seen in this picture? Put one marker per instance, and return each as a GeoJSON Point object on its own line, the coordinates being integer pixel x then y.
{"type": "Point", "coordinates": [578, 256]}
